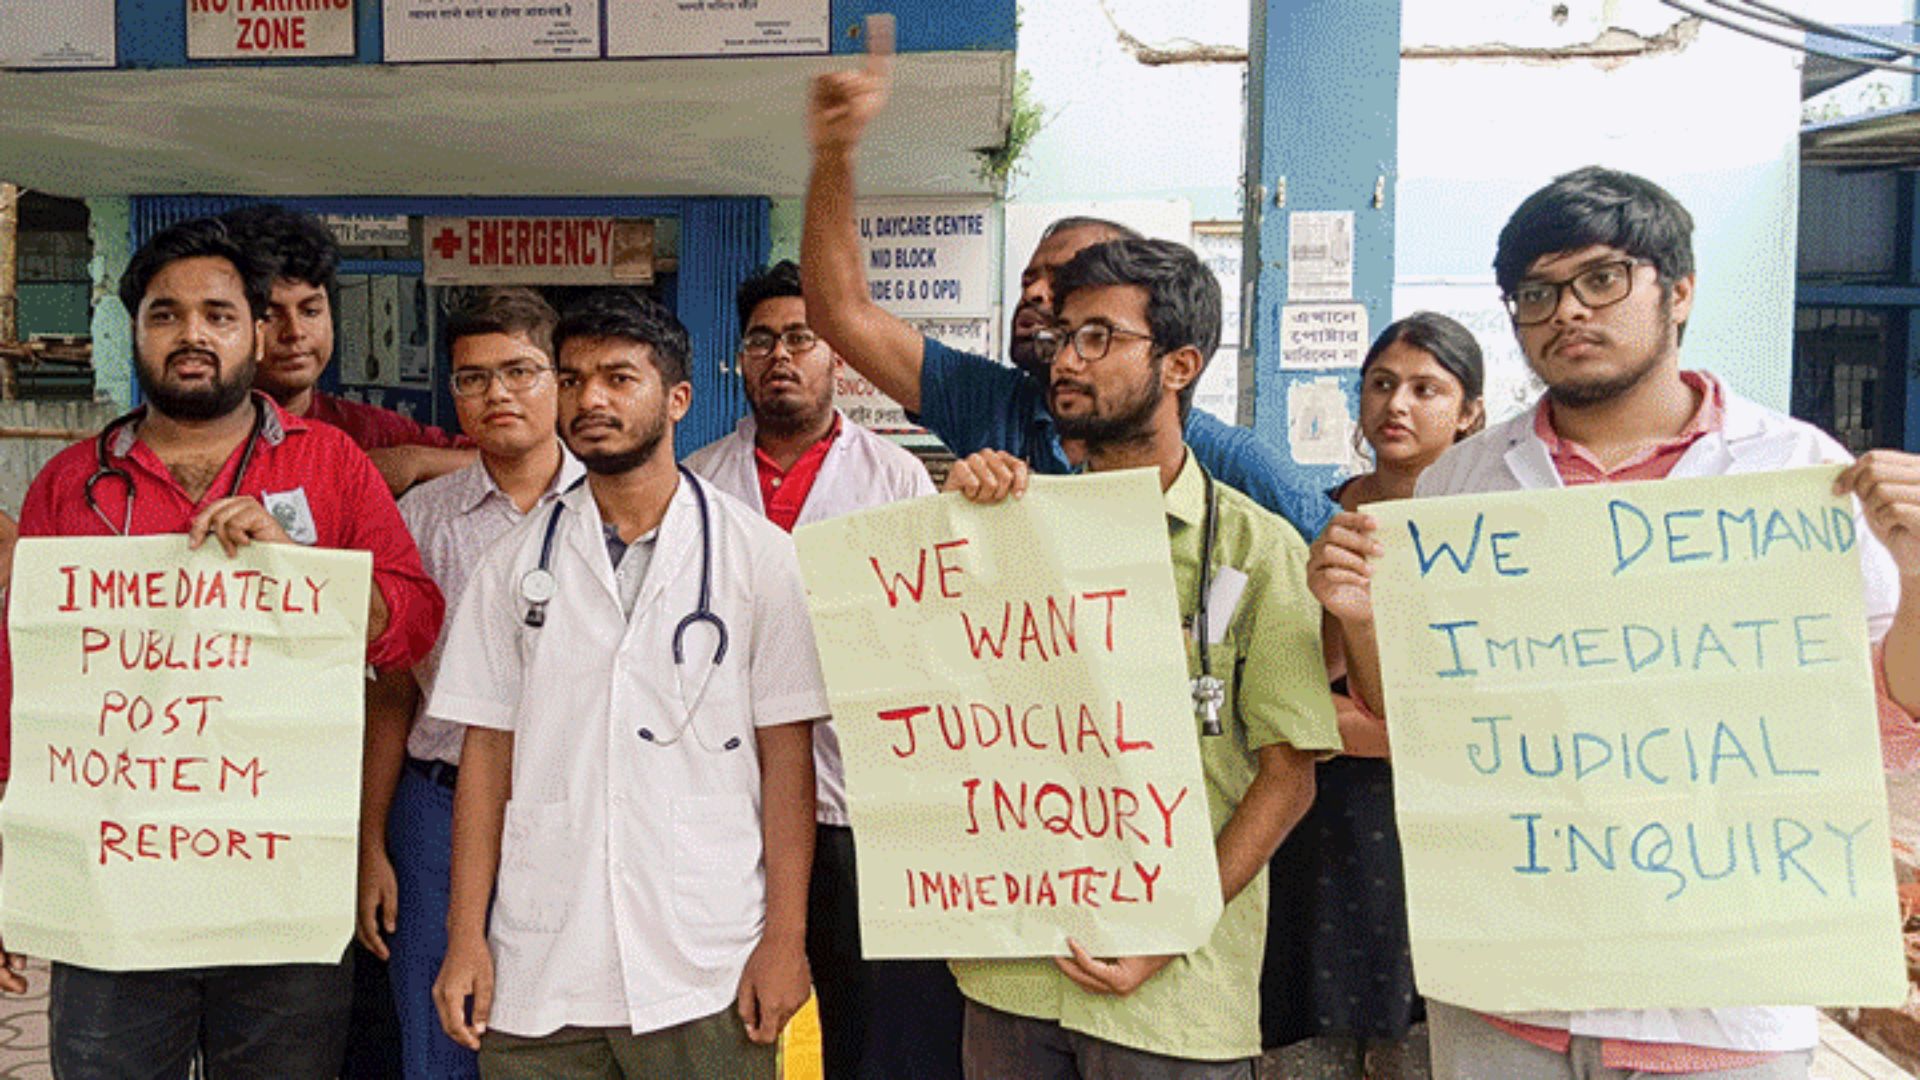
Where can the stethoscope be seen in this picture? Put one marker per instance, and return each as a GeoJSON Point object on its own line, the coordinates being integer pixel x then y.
{"type": "Point", "coordinates": [104, 468]}
{"type": "Point", "coordinates": [1209, 692]}
{"type": "Point", "coordinates": [538, 586]}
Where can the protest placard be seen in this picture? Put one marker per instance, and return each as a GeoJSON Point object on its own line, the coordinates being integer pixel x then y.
{"type": "Point", "coordinates": [1635, 746]}
{"type": "Point", "coordinates": [1010, 691]}
{"type": "Point", "coordinates": [186, 752]}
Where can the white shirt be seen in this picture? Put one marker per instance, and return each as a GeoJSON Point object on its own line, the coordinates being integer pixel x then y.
{"type": "Point", "coordinates": [861, 471]}
{"type": "Point", "coordinates": [1752, 438]}
{"type": "Point", "coordinates": [631, 887]}
{"type": "Point", "coordinates": [453, 519]}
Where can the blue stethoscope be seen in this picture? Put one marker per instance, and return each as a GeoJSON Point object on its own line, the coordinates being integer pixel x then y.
{"type": "Point", "coordinates": [538, 586]}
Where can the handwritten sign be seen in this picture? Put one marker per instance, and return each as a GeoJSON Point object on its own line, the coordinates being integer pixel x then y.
{"type": "Point", "coordinates": [429, 30]}
{"type": "Point", "coordinates": [1010, 691]}
{"type": "Point", "coordinates": [1635, 747]}
{"type": "Point", "coordinates": [930, 258]}
{"type": "Point", "coordinates": [186, 753]}
{"type": "Point", "coordinates": [538, 250]}
{"type": "Point", "coordinates": [264, 29]}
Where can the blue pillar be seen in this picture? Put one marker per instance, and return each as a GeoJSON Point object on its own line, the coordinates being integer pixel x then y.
{"type": "Point", "coordinates": [1323, 118]}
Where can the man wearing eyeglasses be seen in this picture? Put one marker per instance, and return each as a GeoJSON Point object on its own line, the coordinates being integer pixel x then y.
{"type": "Point", "coordinates": [503, 392]}
{"type": "Point", "coordinates": [1598, 276]}
{"type": "Point", "coordinates": [799, 460]}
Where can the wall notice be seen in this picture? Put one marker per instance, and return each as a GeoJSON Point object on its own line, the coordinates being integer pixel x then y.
{"type": "Point", "coordinates": [716, 27]}
{"type": "Point", "coordinates": [268, 29]}
{"type": "Point", "coordinates": [926, 257]}
{"type": "Point", "coordinates": [175, 802]}
{"type": "Point", "coordinates": [1010, 690]}
{"type": "Point", "coordinates": [73, 33]}
{"type": "Point", "coordinates": [427, 30]}
{"type": "Point", "coordinates": [1322, 337]}
{"type": "Point", "coordinates": [1319, 255]}
{"type": "Point", "coordinates": [1635, 750]}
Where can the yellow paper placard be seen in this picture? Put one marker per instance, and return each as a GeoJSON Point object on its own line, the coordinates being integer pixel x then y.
{"type": "Point", "coordinates": [186, 752]}
{"type": "Point", "coordinates": [1010, 691]}
{"type": "Point", "coordinates": [1635, 746]}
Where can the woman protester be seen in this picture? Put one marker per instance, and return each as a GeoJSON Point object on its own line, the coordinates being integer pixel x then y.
{"type": "Point", "coordinates": [1337, 991]}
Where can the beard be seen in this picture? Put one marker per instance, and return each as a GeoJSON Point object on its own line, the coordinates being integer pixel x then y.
{"type": "Point", "coordinates": [1130, 423]}
{"type": "Point", "coordinates": [616, 462]}
{"type": "Point", "coordinates": [208, 402]}
{"type": "Point", "coordinates": [789, 415]}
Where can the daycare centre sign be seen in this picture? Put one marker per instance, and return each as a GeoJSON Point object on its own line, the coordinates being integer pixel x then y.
{"type": "Point", "coordinates": [1010, 691]}
{"type": "Point", "coordinates": [1635, 746]}
{"type": "Point", "coordinates": [186, 752]}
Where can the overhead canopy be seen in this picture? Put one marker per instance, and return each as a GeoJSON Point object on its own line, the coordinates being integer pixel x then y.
{"type": "Point", "coordinates": [629, 127]}
{"type": "Point", "coordinates": [1889, 139]}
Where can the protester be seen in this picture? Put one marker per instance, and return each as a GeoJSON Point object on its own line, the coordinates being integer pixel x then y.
{"type": "Point", "coordinates": [1137, 322]}
{"type": "Point", "coordinates": [971, 402]}
{"type": "Point", "coordinates": [1337, 988]}
{"type": "Point", "coordinates": [645, 685]}
{"type": "Point", "coordinates": [1598, 276]}
{"type": "Point", "coordinates": [799, 460]}
{"type": "Point", "coordinates": [306, 260]}
{"type": "Point", "coordinates": [502, 379]}
{"type": "Point", "coordinates": [207, 458]}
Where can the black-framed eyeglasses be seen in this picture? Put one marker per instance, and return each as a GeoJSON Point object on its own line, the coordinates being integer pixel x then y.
{"type": "Point", "coordinates": [1534, 302]}
{"type": "Point", "coordinates": [758, 343]}
{"type": "Point", "coordinates": [1090, 340]}
{"type": "Point", "coordinates": [517, 378]}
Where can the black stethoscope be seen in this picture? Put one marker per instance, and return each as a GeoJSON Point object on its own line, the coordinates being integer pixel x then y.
{"type": "Point", "coordinates": [104, 468]}
{"type": "Point", "coordinates": [1209, 692]}
{"type": "Point", "coordinates": [538, 586]}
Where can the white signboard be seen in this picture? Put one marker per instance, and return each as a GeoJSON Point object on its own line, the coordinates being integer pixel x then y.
{"type": "Point", "coordinates": [424, 30]}
{"type": "Point", "coordinates": [362, 230]}
{"type": "Point", "coordinates": [262, 29]}
{"type": "Point", "coordinates": [1218, 243]}
{"type": "Point", "coordinates": [1322, 337]}
{"type": "Point", "coordinates": [928, 257]}
{"type": "Point", "coordinates": [71, 33]}
{"type": "Point", "coordinates": [715, 27]}
{"type": "Point", "coordinates": [538, 251]}
{"type": "Point", "coordinates": [1320, 255]}
{"type": "Point", "coordinates": [865, 405]}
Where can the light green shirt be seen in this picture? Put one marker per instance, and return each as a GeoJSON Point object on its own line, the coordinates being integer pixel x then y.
{"type": "Point", "coordinates": [1205, 1006]}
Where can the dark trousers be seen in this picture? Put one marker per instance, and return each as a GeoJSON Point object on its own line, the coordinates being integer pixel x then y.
{"type": "Point", "coordinates": [373, 1038]}
{"type": "Point", "coordinates": [879, 1019]}
{"type": "Point", "coordinates": [272, 1022]}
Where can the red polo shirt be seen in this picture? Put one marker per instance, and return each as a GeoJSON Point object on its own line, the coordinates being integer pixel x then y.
{"type": "Point", "coordinates": [784, 491]}
{"type": "Point", "coordinates": [375, 428]}
{"type": "Point", "coordinates": [350, 507]}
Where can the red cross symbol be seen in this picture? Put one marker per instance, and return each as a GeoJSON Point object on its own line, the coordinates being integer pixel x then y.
{"type": "Point", "coordinates": [447, 243]}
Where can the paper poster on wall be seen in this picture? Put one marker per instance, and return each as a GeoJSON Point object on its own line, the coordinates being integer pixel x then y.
{"type": "Point", "coordinates": [246, 30]}
{"type": "Point", "coordinates": [1323, 337]}
{"type": "Point", "coordinates": [187, 752]}
{"type": "Point", "coordinates": [68, 34]}
{"type": "Point", "coordinates": [538, 251]}
{"type": "Point", "coordinates": [354, 337]}
{"type": "Point", "coordinates": [716, 27]}
{"type": "Point", "coordinates": [383, 331]}
{"type": "Point", "coordinates": [428, 30]}
{"type": "Point", "coordinates": [928, 257]}
{"type": "Point", "coordinates": [1319, 255]}
{"type": "Point", "coordinates": [1319, 427]}
{"type": "Point", "coordinates": [998, 675]}
{"type": "Point", "coordinates": [1635, 746]}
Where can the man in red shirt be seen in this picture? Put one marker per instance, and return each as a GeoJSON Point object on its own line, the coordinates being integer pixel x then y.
{"type": "Point", "coordinates": [208, 458]}
{"type": "Point", "coordinates": [304, 260]}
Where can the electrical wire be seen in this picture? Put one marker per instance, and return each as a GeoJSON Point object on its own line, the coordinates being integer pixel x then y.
{"type": "Point", "coordinates": [1780, 16]}
{"type": "Point", "coordinates": [1786, 43]}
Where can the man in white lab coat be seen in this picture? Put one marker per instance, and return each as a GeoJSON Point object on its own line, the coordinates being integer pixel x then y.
{"type": "Point", "coordinates": [800, 460]}
{"type": "Point", "coordinates": [637, 671]}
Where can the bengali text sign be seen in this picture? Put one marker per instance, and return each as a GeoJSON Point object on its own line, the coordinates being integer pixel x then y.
{"type": "Point", "coordinates": [1635, 743]}
{"type": "Point", "coordinates": [186, 752]}
{"type": "Point", "coordinates": [1010, 691]}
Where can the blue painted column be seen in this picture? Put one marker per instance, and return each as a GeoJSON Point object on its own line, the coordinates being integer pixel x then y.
{"type": "Point", "coordinates": [1323, 119]}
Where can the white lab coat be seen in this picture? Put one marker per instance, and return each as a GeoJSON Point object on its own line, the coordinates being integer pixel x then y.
{"type": "Point", "coordinates": [861, 471]}
{"type": "Point", "coordinates": [1511, 457]}
{"type": "Point", "coordinates": [631, 888]}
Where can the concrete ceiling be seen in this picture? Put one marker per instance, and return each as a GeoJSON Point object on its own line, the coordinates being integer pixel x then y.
{"type": "Point", "coordinates": [610, 127]}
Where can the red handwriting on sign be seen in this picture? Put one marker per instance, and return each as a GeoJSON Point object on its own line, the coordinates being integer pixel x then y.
{"type": "Point", "coordinates": [162, 650]}
{"type": "Point", "coordinates": [176, 843]}
{"type": "Point", "coordinates": [1035, 727]}
{"type": "Point", "coordinates": [238, 590]}
{"type": "Point", "coordinates": [140, 714]}
{"type": "Point", "coordinates": [1078, 886]}
{"type": "Point", "coordinates": [1083, 812]}
{"type": "Point", "coordinates": [916, 586]}
{"type": "Point", "coordinates": [1045, 636]}
{"type": "Point", "coordinates": [128, 771]}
